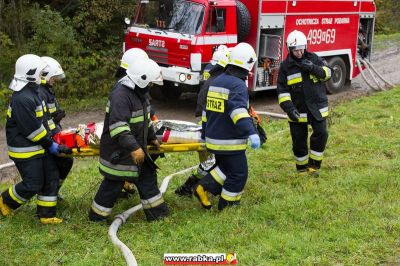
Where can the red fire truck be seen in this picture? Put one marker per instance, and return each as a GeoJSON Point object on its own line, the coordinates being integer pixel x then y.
{"type": "Point", "coordinates": [181, 35]}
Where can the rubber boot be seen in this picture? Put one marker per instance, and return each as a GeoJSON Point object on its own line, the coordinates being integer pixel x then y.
{"type": "Point", "coordinates": [302, 172]}
{"type": "Point", "coordinates": [51, 220]}
{"type": "Point", "coordinates": [201, 195]}
{"type": "Point", "coordinates": [4, 209]}
{"type": "Point", "coordinates": [223, 203]}
{"type": "Point", "coordinates": [187, 187]}
{"type": "Point", "coordinates": [313, 172]}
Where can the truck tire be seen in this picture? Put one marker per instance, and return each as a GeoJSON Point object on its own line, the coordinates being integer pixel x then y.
{"type": "Point", "coordinates": [339, 74]}
{"type": "Point", "coordinates": [243, 21]}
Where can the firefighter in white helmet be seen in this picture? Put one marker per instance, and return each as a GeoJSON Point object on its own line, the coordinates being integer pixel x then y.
{"type": "Point", "coordinates": [218, 54]}
{"type": "Point", "coordinates": [123, 146]}
{"type": "Point", "coordinates": [301, 94]}
{"type": "Point", "coordinates": [207, 160]}
{"type": "Point", "coordinates": [227, 126]}
{"type": "Point", "coordinates": [51, 75]}
{"type": "Point", "coordinates": [29, 144]}
{"type": "Point", "coordinates": [129, 57]}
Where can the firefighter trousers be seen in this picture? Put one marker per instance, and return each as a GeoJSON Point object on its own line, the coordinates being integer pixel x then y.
{"type": "Point", "coordinates": [39, 176]}
{"type": "Point", "coordinates": [227, 179]}
{"type": "Point", "coordinates": [151, 198]}
{"type": "Point", "coordinates": [318, 140]}
{"type": "Point", "coordinates": [64, 165]}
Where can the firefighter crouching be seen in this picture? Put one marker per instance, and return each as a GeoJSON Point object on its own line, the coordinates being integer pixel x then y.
{"type": "Point", "coordinates": [302, 96]}
{"type": "Point", "coordinates": [123, 155]}
{"type": "Point", "coordinates": [29, 142]}
{"type": "Point", "coordinates": [51, 74]}
{"type": "Point", "coordinates": [227, 126]}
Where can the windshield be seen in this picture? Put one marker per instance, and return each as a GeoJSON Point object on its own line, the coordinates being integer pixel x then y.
{"type": "Point", "coordinates": [187, 17]}
{"type": "Point", "coordinates": [174, 15]}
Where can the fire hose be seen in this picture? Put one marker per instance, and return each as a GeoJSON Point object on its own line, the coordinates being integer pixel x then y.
{"type": "Point", "coordinates": [122, 218]}
{"type": "Point", "coordinates": [369, 66]}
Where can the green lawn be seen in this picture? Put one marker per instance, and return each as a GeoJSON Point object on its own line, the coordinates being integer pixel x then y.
{"type": "Point", "coordinates": [347, 216]}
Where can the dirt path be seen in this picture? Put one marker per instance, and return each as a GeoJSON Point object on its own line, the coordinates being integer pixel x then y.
{"type": "Point", "coordinates": [385, 61]}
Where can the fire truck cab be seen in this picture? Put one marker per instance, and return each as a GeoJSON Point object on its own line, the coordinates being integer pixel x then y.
{"type": "Point", "coordinates": [181, 35]}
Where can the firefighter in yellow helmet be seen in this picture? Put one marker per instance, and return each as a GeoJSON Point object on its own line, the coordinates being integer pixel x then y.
{"type": "Point", "coordinates": [302, 96]}
{"type": "Point", "coordinates": [29, 144]}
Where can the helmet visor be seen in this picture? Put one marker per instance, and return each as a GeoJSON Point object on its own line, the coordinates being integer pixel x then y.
{"type": "Point", "coordinates": [297, 47]}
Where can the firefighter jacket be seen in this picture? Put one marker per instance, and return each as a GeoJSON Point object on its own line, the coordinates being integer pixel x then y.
{"type": "Point", "coordinates": [214, 72]}
{"type": "Point", "coordinates": [127, 127]}
{"type": "Point", "coordinates": [303, 90]}
{"type": "Point", "coordinates": [227, 124]}
{"type": "Point", "coordinates": [206, 71]}
{"type": "Point", "coordinates": [53, 109]}
{"type": "Point", "coordinates": [27, 130]}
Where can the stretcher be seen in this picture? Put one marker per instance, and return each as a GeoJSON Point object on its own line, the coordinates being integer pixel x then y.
{"type": "Point", "coordinates": [174, 136]}
{"type": "Point", "coordinates": [164, 148]}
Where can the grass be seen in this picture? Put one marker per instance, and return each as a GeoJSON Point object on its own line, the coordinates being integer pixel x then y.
{"type": "Point", "coordinates": [347, 216]}
{"type": "Point", "coordinates": [383, 41]}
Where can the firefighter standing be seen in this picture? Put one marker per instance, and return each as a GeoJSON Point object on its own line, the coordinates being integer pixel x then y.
{"type": "Point", "coordinates": [207, 160]}
{"type": "Point", "coordinates": [29, 142]}
{"type": "Point", "coordinates": [123, 146]}
{"type": "Point", "coordinates": [129, 57]}
{"type": "Point", "coordinates": [302, 96]}
{"type": "Point", "coordinates": [227, 128]}
{"type": "Point", "coordinates": [51, 74]}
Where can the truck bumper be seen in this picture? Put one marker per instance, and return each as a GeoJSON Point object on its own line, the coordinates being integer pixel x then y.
{"type": "Point", "coordinates": [180, 75]}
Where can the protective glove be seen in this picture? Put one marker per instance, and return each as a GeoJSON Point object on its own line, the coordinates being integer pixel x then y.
{"type": "Point", "coordinates": [64, 149]}
{"type": "Point", "coordinates": [255, 141]}
{"type": "Point", "coordinates": [58, 115]}
{"type": "Point", "coordinates": [155, 143]}
{"type": "Point", "coordinates": [138, 156]}
{"type": "Point", "coordinates": [294, 115]}
{"type": "Point", "coordinates": [306, 65]}
{"type": "Point", "coordinates": [54, 149]}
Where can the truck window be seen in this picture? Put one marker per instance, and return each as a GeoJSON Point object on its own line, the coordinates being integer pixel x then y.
{"type": "Point", "coordinates": [216, 20]}
{"type": "Point", "coordinates": [187, 17]}
{"type": "Point", "coordinates": [175, 15]}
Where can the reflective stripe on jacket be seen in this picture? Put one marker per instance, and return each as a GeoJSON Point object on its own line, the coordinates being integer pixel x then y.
{"type": "Point", "coordinates": [304, 91]}
{"type": "Point", "coordinates": [228, 123]}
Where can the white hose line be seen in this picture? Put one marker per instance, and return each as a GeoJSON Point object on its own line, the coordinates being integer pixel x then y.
{"type": "Point", "coordinates": [121, 219]}
{"type": "Point", "coordinates": [372, 75]}
{"type": "Point", "coordinates": [379, 75]}
{"type": "Point", "coordinates": [363, 75]}
{"type": "Point", "coordinates": [6, 165]}
{"type": "Point", "coordinates": [272, 114]}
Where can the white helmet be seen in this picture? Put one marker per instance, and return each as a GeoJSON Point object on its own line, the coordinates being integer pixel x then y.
{"type": "Point", "coordinates": [144, 71]}
{"type": "Point", "coordinates": [53, 69]}
{"type": "Point", "coordinates": [296, 40]}
{"type": "Point", "coordinates": [219, 54]}
{"type": "Point", "coordinates": [131, 56]}
{"type": "Point", "coordinates": [28, 68]}
{"type": "Point", "coordinates": [243, 55]}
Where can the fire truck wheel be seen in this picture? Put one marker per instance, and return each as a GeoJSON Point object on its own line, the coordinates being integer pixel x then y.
{"type": "Point", "coordinates": [243, 21]}
{"type": "Point", "coordinates": [338, 79]}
